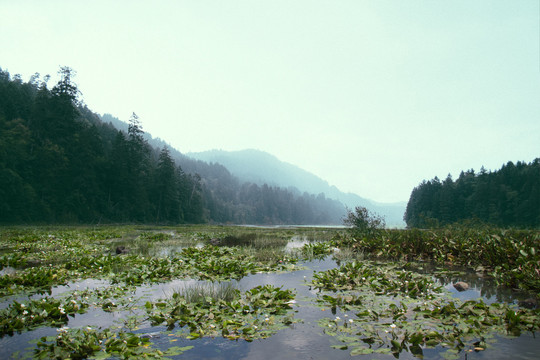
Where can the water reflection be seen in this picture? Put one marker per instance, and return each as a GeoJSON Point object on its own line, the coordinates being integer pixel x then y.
{"type": "Point", "coordinates": [303, 340]}
{"type": "Point", "coordinates": [296, 242]}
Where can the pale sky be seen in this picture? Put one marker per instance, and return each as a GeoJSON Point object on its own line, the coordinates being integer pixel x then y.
{"type": "Point", "coordinates": [372, 96]}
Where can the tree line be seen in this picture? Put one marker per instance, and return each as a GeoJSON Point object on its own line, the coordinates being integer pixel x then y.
{"type": "Point", "coordinates": [228, 200]}
{"type": "Point", "coordinates": [61, 163]}
{"type": "Point", "coordinates": [509, 197]}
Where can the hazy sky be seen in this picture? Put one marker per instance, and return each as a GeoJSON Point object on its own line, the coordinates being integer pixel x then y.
{"type": "Point", "coordinates": [372, 96]}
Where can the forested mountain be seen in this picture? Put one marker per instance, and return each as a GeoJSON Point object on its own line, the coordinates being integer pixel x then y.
{"type": "Point", "coordinates": [59, 162]}
{"type": "Point", "coordinates": [260, 167]}
{"type": "Point", "coordinates": [230, 198]}
{"type": "Point", "coordinates": [507, 197]}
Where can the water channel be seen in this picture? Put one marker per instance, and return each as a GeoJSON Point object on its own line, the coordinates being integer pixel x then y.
{"type": "Point", "coordinates": [304, 339]}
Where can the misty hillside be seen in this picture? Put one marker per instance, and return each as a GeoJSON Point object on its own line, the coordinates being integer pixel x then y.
{"type": "Point", "coordinates": [63, 163]}
{"type": "Point", "coordinates": [219, 180]}
{"type": "Point", "coordinates": [260, 167]}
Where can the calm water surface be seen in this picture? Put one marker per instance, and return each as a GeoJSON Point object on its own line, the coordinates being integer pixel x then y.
{"type": "Point", "coordinates": [302, 340]}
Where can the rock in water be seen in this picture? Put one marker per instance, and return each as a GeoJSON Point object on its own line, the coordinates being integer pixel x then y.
{"type": "Point", "coordinates": [121, 250]}
{"type": "Point", "coordinates": [461, 286]}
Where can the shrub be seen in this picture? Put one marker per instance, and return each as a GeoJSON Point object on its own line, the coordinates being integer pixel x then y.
{"type": "Point", "coordinates": [364, 223]}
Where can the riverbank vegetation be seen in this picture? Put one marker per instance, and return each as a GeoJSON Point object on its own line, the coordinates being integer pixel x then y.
{"type": "Point", "coordinates": [511, 256]}
{"type": "Point", "coordinates": [385, 293]}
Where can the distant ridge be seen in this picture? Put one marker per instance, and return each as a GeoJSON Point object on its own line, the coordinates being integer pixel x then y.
{"type": "Point", "coordinates": [261, 167]}
{"type": "Point", "coordinates": [221, 189]}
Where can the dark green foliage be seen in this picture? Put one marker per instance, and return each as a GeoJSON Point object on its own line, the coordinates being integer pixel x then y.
{"type": "Point", "coordinates": [46, 311]}
{"type": "Point", "coordinates": [511, 256]}
{"type": "Point", "coordinates": [100, 344]}
{"type": "Point", "coordinates": [398, 311]}
{"type": "Point", "coordinates": [167, 188]}
{"type": "Point", "coordinates": [509, 197]}
{"type": "Point", "coordinates": [363, 223]}
{"type": "Point", "coordinates": [60, 163]}
{"type": "Point", "coordinates": [256, 314]}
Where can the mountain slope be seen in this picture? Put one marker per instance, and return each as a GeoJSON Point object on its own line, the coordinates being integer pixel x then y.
{"type": "Point", "coordinates": [260, 167]}
{"type": "Point", "coordinates": [227, 197]}
{"type": "Point", "coordinates": [61, 163]}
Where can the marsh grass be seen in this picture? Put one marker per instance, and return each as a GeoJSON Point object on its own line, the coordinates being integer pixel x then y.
{"type": "Point", "coordinates": [135, 246]}
{"type": "Point", "coordinates": [268, 249]}
{"type": "Point", "coordinates": [253, 240]}
{"type": "Point", "coordinates": [368, 292]}
{"type": "Point", "coordinates": [270, 242]}
{"type": "Point", "coordinates": [202, 292]}
{"type": "Point", "coordinates": [267, 254]}
{"type": "Point", "coordinates": [145, 243]}
{"type": "Point", "coordinates": [347, 254]}
{"type": "Point", "coordinates": [156, 236]}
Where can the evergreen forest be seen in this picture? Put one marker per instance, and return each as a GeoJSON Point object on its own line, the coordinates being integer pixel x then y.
{"type": "Point", "coordinates": [509, 197]}
{"type": "Point", "coordinates": [62, 163]}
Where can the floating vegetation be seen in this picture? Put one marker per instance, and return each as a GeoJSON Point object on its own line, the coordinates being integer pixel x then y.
{"type": "Point", "coordinates": [47, 311]}
{"type": "Point", "coordinates": [380, 279]}
{"type": "Point", "coordinates": [510, 256]}
{"type": "Point", "coordinates": [318, 250]}
{"type": "Point", "coordinates": [55, 312]}
{"type": "Point", "coordinates": [59, 281]}
{"type": "Point", "coordinates": [207, 263]}
{"type": "Point", "coordinates": [258, 313]}
{"type": "Point", "coordinates": [155, 236]}
{"type": "Point", "coordinates": [102, 344]}
{"type": "Point", "coordinates": [393, 310]}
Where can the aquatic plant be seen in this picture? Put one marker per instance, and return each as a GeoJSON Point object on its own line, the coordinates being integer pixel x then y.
{"type": "Point", "coordinates": [379, 327]}
{"type": "Point", "coordinates": [207, 292]}
{"type": "Point", "coordinates": [24, 316]}
{"type": "Point", "coordinates": [384, 280]}
{"type": "Point", "coordinates": [375, 307]}
{"type": "Point", "coordinates": [511, 256]}
{"type": "Point", "coordinates": [213, 262]}
{"type": "Point", "coordinates": [88, 342]}
{"type": "Point", "coordinates": [394, 310]}
{"type": "Point", "coordinates": [155, 236]}
{"type": "Point", "coordinates": [257, 313]}
{"type": "Point", "coordinates": [39, 279]}
{"type": "Point", "coordinates": [346, 254]}
{"type": "Point", "coordinates": [317, 250]}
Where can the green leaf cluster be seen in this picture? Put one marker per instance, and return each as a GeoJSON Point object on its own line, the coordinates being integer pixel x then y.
{"type": "Point", "coordinates": [100, 344]}
{"type": "Point", "coordinates": [380, 279]}
{"type": "Point", "coordinates": [257, 313]}
{"type": "Point", "coordinates": [388, 310]}
{"type": "Point", "coordinates": [511, 256]}
{"type": "Point", "coordinates": [46, 311]}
